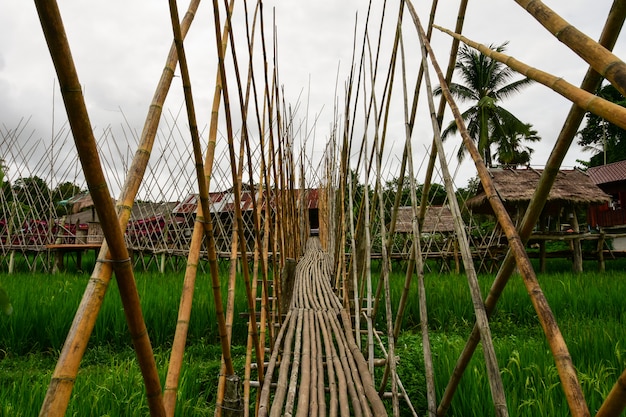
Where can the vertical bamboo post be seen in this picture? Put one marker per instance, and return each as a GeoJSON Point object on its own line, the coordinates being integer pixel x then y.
{"type": "Point", "coordinates": [57, 398]}
{"type": "Point", "coordinates": [601, 264]}
{"type": "Point", "coordinates": [577, 256]}
{"type": "Point", "coordinates": [495, 381]}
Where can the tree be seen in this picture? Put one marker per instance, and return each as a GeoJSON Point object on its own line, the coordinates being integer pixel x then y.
{"type": "Point", "coordinates": [604, 139]}
{"type": "Point", "coordinates": [486, 83]}
{"type": "Point", "coordinates": [511, 150]}
{"type": "Point", "coordinates": [63, 192]}
{"type": "Point", "coordinates": [33, 192]}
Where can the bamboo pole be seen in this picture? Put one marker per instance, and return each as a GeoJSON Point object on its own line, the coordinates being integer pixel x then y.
{"type": "Point", "coordinates": [612, 112]}
{"type": "Point", "coordinates": [615, 402]}
{"type": "Point", "coordinates": [264, 396]}
{"type": "Point", "coordinates": [565, 368]}
{"type": "Point", "coordinates": [182, 324]}
{"type": "Point", "coordinates": [243, 104]}
{"type": "Point", "coordinates": [442, 105]}
{"type": "Point", "coordinates": [237, 194]}
{"type": "Point", "coordinates": [230, 313]}
{"type": "Point", "coordinates": [385, 279]}
{"type": "Point", "coordinates": [57, 398]}
{"type": "Point", "coordinates": [597, 56]}
{"type": "Point", "coordinates": [491, 362]}
{"type": "Point", "coordinates": [202, 181]}
{"type": "Point", "coordinates": [416, 255]}
{"type": "Point", "coordinates": [74, 347]}
{"type": "Point", "coordinates": [591, 82]}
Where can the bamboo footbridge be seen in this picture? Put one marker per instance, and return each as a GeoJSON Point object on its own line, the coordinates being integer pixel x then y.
{"type": "Point", "coordinates": [318, 363]}
{"type": "Point", "coordinates": [318, 350]}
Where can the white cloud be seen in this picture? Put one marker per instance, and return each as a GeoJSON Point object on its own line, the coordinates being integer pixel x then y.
{"type": "Point", "coordinates": [120, 46]}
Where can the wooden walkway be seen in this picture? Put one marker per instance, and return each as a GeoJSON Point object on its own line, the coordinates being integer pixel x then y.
{"type": "Point", "coordinates": [316, 367]}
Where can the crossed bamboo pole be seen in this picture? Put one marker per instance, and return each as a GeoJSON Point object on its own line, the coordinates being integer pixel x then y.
{"type": "Point", "coordinates": [59, 391]}
{"type": "Point", "coordinates": [495, 381]}
{"type": "Point", "coordinates": [597, 56]}
{"type": "Point", "coordinates": [616, 400]}
{"type": "Point", "coordinates": [612, 112]}
{"type": "Point", "coordinates": [563, 360]}
{"type": "Point", "coordinates": [204, 220]}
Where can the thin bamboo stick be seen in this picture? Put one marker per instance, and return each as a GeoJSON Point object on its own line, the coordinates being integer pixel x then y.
{"type": "Point", "coordinates": [597, 56]}
{"type": "Point", "coordinates": [491, 362]}
{"type": "Point", "coordinates": [454, 48]}
{"type": "Point", "coordinates": [416, 255]}
{"type": "Point", "coordinates": [237, 194]}
{"type": "Point", "coordinates": [243, 104]}
{"type": "Point", "coordinates": [230, 315]}
{"type": "Point", "coordinates": [61, 385]}
{"type": "Point", "coordinates": [203, 188]}
{"type": "Point", "coordinates": [193, 257]}
{"type": "Point", "coordinates": [567, 373]}
{"type": "Point", "coordinates": [612, 112]}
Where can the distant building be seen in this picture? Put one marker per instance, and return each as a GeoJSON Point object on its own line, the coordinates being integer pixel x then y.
{"type": "Point", "coordinates": [610, 216]}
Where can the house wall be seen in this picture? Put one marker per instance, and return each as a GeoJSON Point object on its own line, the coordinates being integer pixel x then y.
{"type": "Point", "coordinates": [611, 214]}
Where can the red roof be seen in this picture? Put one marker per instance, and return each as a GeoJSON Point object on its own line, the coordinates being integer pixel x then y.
{"type": "Point", "coordinates": [224, 201]}
{"type": "Point", "coordinates": [608, 173]}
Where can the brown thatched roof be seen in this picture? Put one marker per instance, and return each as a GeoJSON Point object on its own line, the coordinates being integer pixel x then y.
{"type": "Point", "coordinates": [517, 186]}
{"type": "Point", "coordinates": [438, 219]}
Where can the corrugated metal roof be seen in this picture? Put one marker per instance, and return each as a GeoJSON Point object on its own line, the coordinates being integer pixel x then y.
{"type": "Point", "coordinates": [608, 173]}
{"type": "Point", "coordinates": [224, 201]}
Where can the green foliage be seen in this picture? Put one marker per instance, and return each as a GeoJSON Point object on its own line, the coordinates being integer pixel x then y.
{"type": "Point", "coordinates": [601, 137]}
{"type": "Point", "coordinates": [5, 303]}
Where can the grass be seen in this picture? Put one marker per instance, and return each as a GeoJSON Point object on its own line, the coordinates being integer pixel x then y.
{"type": "Point", "coordinates": [588, 308]}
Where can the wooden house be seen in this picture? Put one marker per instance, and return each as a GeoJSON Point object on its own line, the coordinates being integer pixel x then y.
{"type": "Point", "coordinates": [572, 193]}
{"type": "Point", "coordinates": [611, 178]}
{"type": "Point", "coordinates": [437, 233]}
{"type": "Point", "coordinates": [611, 216]}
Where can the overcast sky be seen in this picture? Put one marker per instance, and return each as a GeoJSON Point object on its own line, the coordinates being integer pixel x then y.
{"type": "Point", "coordinates": [119, 48]}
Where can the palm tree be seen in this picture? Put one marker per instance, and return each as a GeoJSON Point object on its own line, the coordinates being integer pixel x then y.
{"type": "Point", "coordinates": [486, 82]}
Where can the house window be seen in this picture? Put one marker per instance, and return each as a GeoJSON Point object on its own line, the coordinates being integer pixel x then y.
{"type": "Point", "coordinates": [615, 202]}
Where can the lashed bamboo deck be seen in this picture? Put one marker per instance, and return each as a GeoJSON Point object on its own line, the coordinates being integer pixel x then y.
{"type": "Point", "coordinates": [315, 352]}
